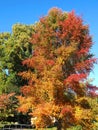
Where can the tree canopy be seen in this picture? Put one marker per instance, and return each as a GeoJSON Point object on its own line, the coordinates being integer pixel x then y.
{"type": "Point", "coordinates": [14, 48]}
{"type": "Point", "coordinates": [57, 71]}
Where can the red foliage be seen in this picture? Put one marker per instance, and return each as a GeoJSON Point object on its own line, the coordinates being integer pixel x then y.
{"type": "Point", "coordinates": [5, 100]}
{"type": "Point", "coordinates": [85, 66]}
{"type": "Point", "coordinates": [66, 110]}
{"type": "Point", "coordinates": [72, 27]}
{"type": "Point", "coordinates": [50, 62]}
{"type": "Point", "coordinates": [75, 78]}
{"type": "Point", "coordinates": [92, 90]}
{"type": "Point", "coordinates": [26, 90]}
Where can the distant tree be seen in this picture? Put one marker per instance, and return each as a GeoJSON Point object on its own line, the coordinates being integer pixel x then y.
{"type": "Point", "coordinates": [7, 106]}
{"type": "Point", "coordinates": [61, 61]}
{"type": "Point", "coordinates": [14, 48]}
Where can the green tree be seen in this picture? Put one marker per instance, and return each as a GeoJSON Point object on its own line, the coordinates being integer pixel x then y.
{"type": "Point", "coordinates": [14, 48]}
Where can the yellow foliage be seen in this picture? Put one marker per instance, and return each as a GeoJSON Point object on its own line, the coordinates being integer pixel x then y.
{"type": "Point", "coordinates": [78, 113]}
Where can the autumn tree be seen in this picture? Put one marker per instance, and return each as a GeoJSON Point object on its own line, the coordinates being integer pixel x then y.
{"type": "Point", "coordinates": [7, 106]}
{"type": "Point", "coordinates": [61, 62]}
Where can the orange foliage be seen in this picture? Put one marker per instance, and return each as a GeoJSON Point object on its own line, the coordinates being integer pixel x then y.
{"type": "Point", "coordinates": [60, 61]}
{"type": "Point", "coordinates": [5, 100]}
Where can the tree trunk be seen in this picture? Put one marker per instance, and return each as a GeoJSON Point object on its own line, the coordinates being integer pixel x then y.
{"type": "Point", "coordinates": [59, 124]}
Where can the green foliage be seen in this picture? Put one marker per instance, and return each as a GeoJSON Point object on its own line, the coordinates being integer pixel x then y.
{"type": "Point", "coordinates": [14, 48]}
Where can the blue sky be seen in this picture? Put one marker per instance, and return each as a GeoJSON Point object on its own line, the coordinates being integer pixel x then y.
{"type": "Point", "coordinates": [29, 11]}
